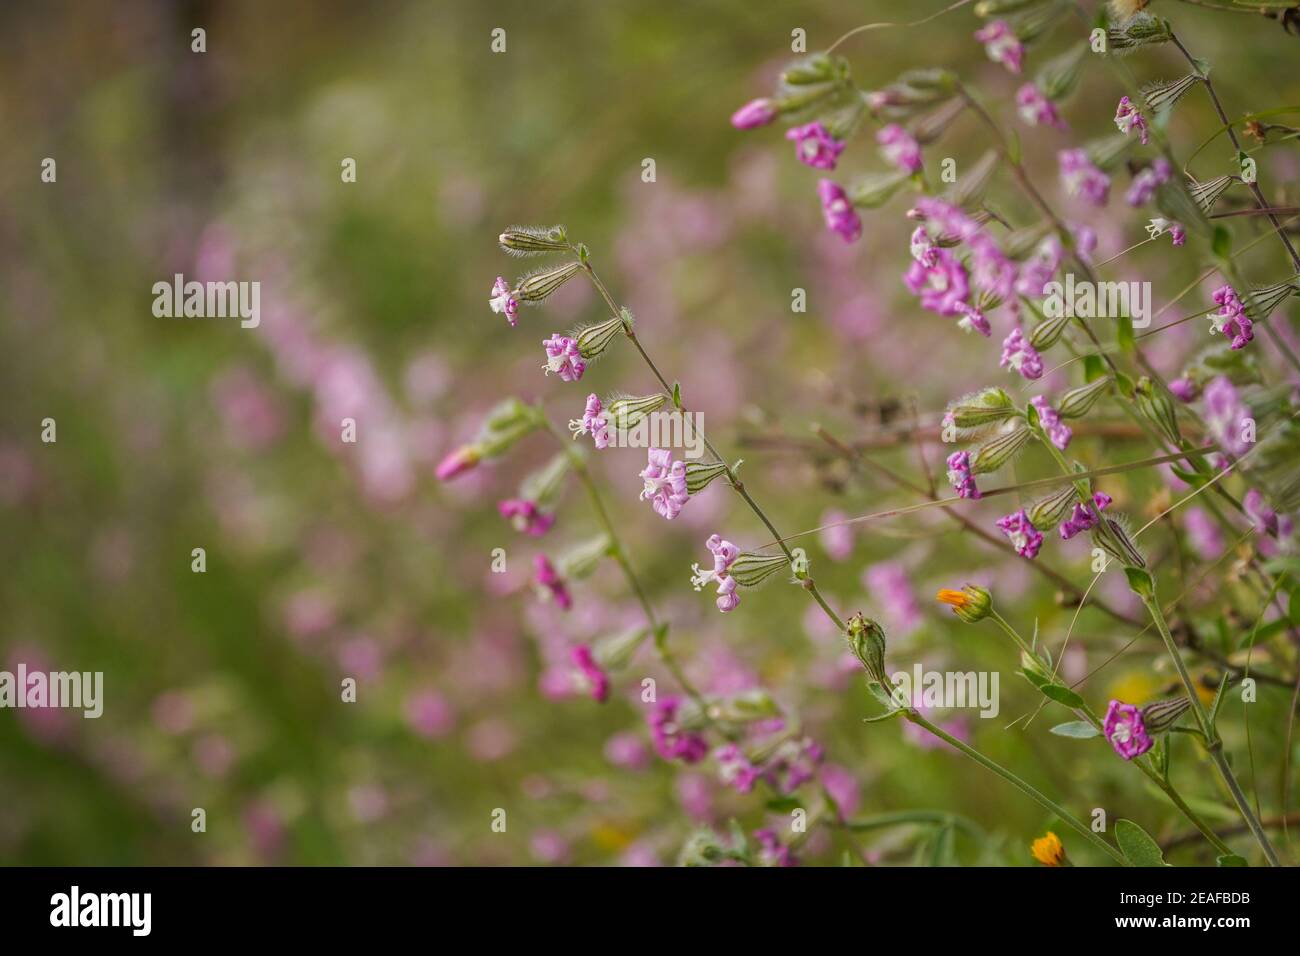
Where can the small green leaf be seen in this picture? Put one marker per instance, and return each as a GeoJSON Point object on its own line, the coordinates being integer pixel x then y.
{"type": "Point", "coordinates": [1079, 729]}
{"type": "Point", "coordinates": [677, 395]}
{"type": "Point", "coordinates": [1093, 367]}
{"type": "Point", "coordinates": [1124, 335]}
{"type": "Point", "coordinates": [1137, 845]}
{"type": "Point", "coordinates": [1062, 695]}
{"type": "Point", "coordinates": [1140, 583]}
{"type": "Point", "coordinates": [783, 804]}
{"type": "Point", "coordinates": [1231, 859]}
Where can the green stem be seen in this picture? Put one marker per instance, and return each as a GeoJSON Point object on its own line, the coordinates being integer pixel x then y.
{"type": "Point", "coordinates": [1213, 744]}
{"type": "Point", "coordinates": [1021, 785]}
{"type": "Point", "coordinates": [619, 553]}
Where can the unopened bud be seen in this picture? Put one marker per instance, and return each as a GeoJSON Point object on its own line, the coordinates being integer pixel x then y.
{"type": "Point", "coordinates": [971, 603]}
{"type": "Point", "coordinates": [594, 339]}
{"type": "Point", "coordinates": [699, 474]}
{"type": "Point", "coordinates": [583, 558]}
{"type": "Point", "coordinates": [1046, 333]}
{"type": "Point", "coordinates": [533, 240]}
{"type": "Point", "coordinates": [1157, 408]}
{"type": "Point", "coordinates": [1076, 402]}
{"type": "Point", "coordinates": [1163, 714]}
{"type": "Point", "coordinates": [981, 410]}
{"type": "Point", "coordinates": [1113, 538]}
{"type": "Point", "coordinates": [751, 569]}
{"type": "Point", "coordinates": [625, 413]}
{"type": "Point", "coordinates": [1053, 509]}
{"type": "Point", "coordinates": [540, 284]}
{"type": "Point", "coordinates": [997, 451]}
{"type": "Point", "coordinates": [616, 651]}
{"type": "Point", "coordinates": [867, 641]}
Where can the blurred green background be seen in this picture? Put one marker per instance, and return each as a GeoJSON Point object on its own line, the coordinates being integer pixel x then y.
{"type": "Point", "coordinates": [327, 560]}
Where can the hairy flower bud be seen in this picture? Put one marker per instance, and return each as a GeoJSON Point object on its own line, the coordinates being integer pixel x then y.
{"type": "Point", "coordinates": [744, 707]}
{"type": "Point", "coordinates": [508, 422]}
{"type": "Point", "coordinates": [699, 474]}
{"type": "Point", "coordinates": [616, 651]}
{"type": "Point", "coordinates": [594, 339]}
{"type": "Point", "coordinates": [543, 486]}
{"type": "Point", "coordinates": [539, 285]}
{"type": "Point", "coordinates": [1113, 538]}
{"type": "Point", "coordinates": [980, 410]}
{"type": "Point", "coordinates": [1077, 401]}
{"type": "Point", "coordinates": [1157, 408]}
{"type": "Point", "coordinates": [997, 451]}
{"type": "Point", "coordinates": [1142, 30]}
{"type": "Point", "coordinates": [751, 569]}
{"type": "Point", "coordinates": [625, 413]}
{"type": "Point", "coordinates": [1163, 714]}
{"type": "Point", "coordinates": [867, 641]}
{"type": "Point", "coordinates": [533, 240]}
{"type": "Point", "coordinates": [1046, 333]}
{"type": "Point", "coordinates": [972, 604]}
{"type": "Point", "coordinates": [583, 558]}
{"type": "Point", "coordinates": [1054, 508]}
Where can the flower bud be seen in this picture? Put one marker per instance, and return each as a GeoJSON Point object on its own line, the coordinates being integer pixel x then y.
{"type": "Point", "coordinates": [1163, 714]}
{"type": "Point", "coordinates": [971, 603]}
{"type": "Point", "coordinates": [625, 413]}
{"type": "Point", "coordinates": [699, 474]}
{"type": "Point", "coordinates": [873, 191]}
{"type": "Point", "coordinates": [543, 486]}
{"type": "Point", "coordinates": [616, 651]}
{"type": "Point", "coordinates": [867, 641]}
{"type": "Point", "coordinates": [744, 707]}
{"type": "Point", "coordinates": [751, 569]}
{"type": "Point", "coordinates": [1076, 402]}
{"type": "Point", "coordinates": [1048, 332]}
{"type": "Point", "coordinates": [1053, 509]}
{"type": "Point", "coordinates": [997, 451]}
{"type": "Point", "coordinates": [1112, 537]}
{"type": "Point", "coordinates": [533, 240]}
{"type": "Point", "coordinates": [594, 339]}
{"type": "Point", "coordinates": [1059, 75]}
{"type": "Point", "coordinates": [1156, 407]}
{"type": "Point", "coordinates": [508, 422]}
{"type": "Point", "coordinates": [538, 285]}
{"type": "Point", "coordinates": [980, 410]}
{"type": "Point", "coordinates": [1142, 30]}
{"type": "Point", "coordinates": [583, 558]}
{"type": "Point", "coordinates": [818, 68]}
{"type": "Point", "coordinates": [457, 462]}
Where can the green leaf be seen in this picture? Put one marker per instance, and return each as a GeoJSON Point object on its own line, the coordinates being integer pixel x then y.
{"type": "Point", "coordinates": [1093, 368]}
{"type": "Point", "coordinates": [1221, 244]}
{"type": "Point", "coordinates": [1124, 335]}
{"type": "Point", "coordinates": [677, 395]}
{"type": "Point", "coordinates": [1231, 859]}
{"type": "Point", "coordinates": [1062, 695]}
{"type": "Point", "coordinates": [1137, 845]}
{"type": "Point", "coordinates": [783, 804]}
{"type": "Point", "coordinates": [1140, 583]}
{"type": "Point", "coordinates": [1079, 729]}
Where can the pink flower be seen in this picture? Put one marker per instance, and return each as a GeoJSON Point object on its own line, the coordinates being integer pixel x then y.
{"type": "Point", "coordinates": [1084, 519]}
{"type": "Point", "coordinates": [838, 211]}
{"type": "Point", "coordinates": [563, 358]}
{"type": "Point", "coordinates": [1057, 431]}
{"type": "Point", "coordinates": [959, 474]}
{"type": "Point", "coordinates": [670, 741]}
{"type": "Point", "coordinates": [1231, 318]}
{"type": "Point", "coordinates": [1125, 730]}
{"type": "Point", "coordinates": [1203, 534]}
{"type": "Point", "coordinates": [591, 424]}
{"type": "Point", "coordinates": [1022, 534]}
{"type": "Point", "coordinates": [1178, 235]}
{"type": "Point", "coordinates": [943, 287]}
{"type": "Point", "coordinates": [1184, 389]}
{"type": "Point", "coordinates": [753, 114]}
{"type": "Point", "coordinates": [665, 483]}
{"type": "Point", "coordinates": [596, 680]}
{"type": "Point", "coordinates": [973, 319]}
{"type": "Point", "coordinates": [1020, 356]}
{"type": "Point", "coordinates": [1267, 522]}
{"type": "Point", "coordinates": [814, 146]}
{"type": "Point", "coordinates": [836, 538]}
{"type": "Point", "coordinates": [1085, 241]}
{"type": "Point", "coordinates": [734, 768]}
{"type": "Point", "coordinates": [1036, 109]}
{"type": "Point", "coordinates": [794, 764]}
{"type": "Point", "coordinates": [1146, 183]}
{"type": "Point", "coordinates": [429, 714]}
{"type": "Point", "coordinates": [889, 584]}
{"type": "Point", "coordinates": [503, 300]}
{"type": "Point", "coordinates": [924, 250]}
{"type": "Point", "coordinates": [550, 582]}
{"type": "Point", "coordinates": [626, 751]}
{"type": "Point", "coordinates": [1082, 178]}
{"type": "Point", "coordinates": [1129, 117]}
{"type": "Point", "coordinates": [898, 146]}
{"type": "Point", "coordinates": [457, 462]}
{"type": "Point", "coordinates": [526, 516]}
{"type": "Point", "coordinates": [1038, 269]}
{"type": "Point", "coordinates": [724, 555]}
{"type": "Point", "coordinates": [1224, 415]}
{"type": "Point", "coordinates": [1001, 44]}
{"type": "Point", "coordinates": [771, 851]}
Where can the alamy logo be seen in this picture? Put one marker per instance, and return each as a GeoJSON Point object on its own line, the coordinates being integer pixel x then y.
{"type": "Point", "coordinates": [942, 689]}
{"type": "Point", "coordinates": [74, 908]}
{"type": "Point", "coordinates": [1101, 300]}
{"type": "Point", "coordinates": [211, 300]}
{"type": "Point", "coordinates": [35, 689]}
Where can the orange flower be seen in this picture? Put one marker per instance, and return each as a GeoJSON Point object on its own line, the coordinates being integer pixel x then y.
{"type": "Point", "coordinates": [1048, 850]}
{"type": "Point", "coordinates": [971, 603]}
